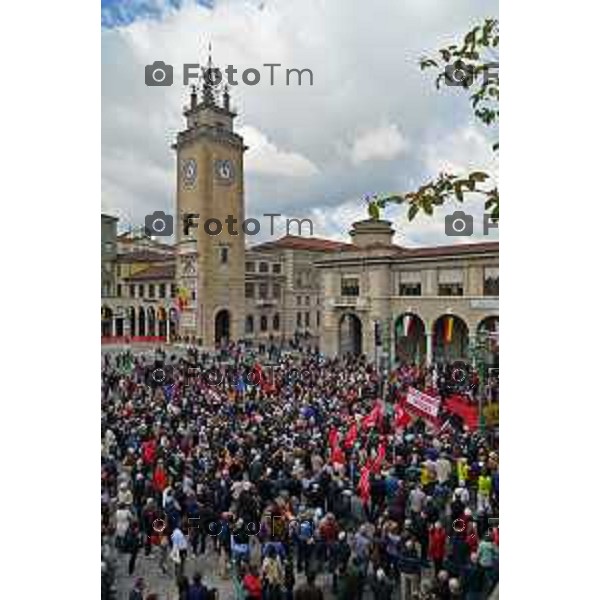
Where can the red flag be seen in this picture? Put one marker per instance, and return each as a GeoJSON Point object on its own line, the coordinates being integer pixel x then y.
{"type": "Point", "coordinates": [364, 484]}
{"type": "Point", "coordinates": [401, 417]}
{"type": "Point", "coordinates": [351, 436]}
{"type": "Point", "coordinates": [338, 456]}
{"type": "Point", "coordinates": [378, 462]}
{"type": "Point", "coordinates": [374, 417]}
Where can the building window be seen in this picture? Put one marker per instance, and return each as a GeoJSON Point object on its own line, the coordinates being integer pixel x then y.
{"type": "Point", "coordinates": [450, 289]}
{"type": "Point", "coordinates": [224, 255]}
{"type": "Point", "coordinates": [276, 322]}
{"type": "Point", "coordinates": [318, 318]}
{"type": "Point", "coordinates": [162, 290]}
{"type": "Point", "coordinates": [299, 319]}
{"type": "Point", "coordinates": [250, 267]}
{"type": "Point", "coordinates": [410, 283]}
{"type": "Point", "coordinates": [299, 300]}
{"type": "Point", "coordinates": [249, 324]}
{"type": "Point", "coordinates": [307, 300]}
{"type": "Point", "coordinates": [450, 282]}
{"type": "Point", "coordinates": [151, 290]}
{"type": "Point", "coordinates": [307, 319]}
{"type": "Point", "coordinates": [249, 290]}
{"type": "Point", "coordinates": [263, 290]}
{"type": "Point", "coordinates": [132, 291]}
{"type": "Point", "coordinates": [350, 286]}
{"type": "Point", "coordinates": [118, 290]}
{"type": "Point", "coordinates": [491, 281]}
{"type": "Point", "coordinates": [263, 267]}
{"type": "Point", "coordinates": [276, 291]}
{"type": "Point", "coordinates": [140, 291]}
{"type": "Point", "coordinates": [264, 325]}
{"type": "Point", "coordinates": [173, 291]}
{"type": "Point", "coordinates": [193, 294]}
{"type": "Point", "coordinates": [276, 268]}
{"type": "Point", "coordinates": [410, 289]}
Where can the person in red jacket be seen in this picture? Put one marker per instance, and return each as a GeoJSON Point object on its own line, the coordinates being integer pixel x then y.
{"type": "Point", "coordinates": [437, 546]}
{"type": "Point", "coordinates": [471, 536]}
{"type": "Point", "coordinates": [149, 451]}
{"type": "Point", "coordinates": [252, 584]}
{"type": "Point", "coordinates": [159, 478]}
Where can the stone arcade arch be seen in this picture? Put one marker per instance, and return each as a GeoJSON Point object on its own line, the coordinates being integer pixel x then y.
{"type": "Point", "coordinates": [450, 339]}
{"type": "Point", "coordinates": [489, 329]}
{"type": "Point", "coordinates": [222, 326]}
{"type": "Point", "coordinates": [141, 321]}
{"type": "Point", "coordinates": [107, 318]}
{"type": "Point", "coordinates": [410, 340]}
{"type": "Point", "coordinates": [350, 334]}
{"type": "Point", "coordinates": [151, 322]}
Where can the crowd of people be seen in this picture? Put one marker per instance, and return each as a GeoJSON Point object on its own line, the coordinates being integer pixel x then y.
{"type": "Point", "coordinates": [307, 477]}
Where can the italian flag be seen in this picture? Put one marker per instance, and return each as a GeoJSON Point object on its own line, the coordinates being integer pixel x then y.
{"type": "Point", "coordinates": [403, 326]}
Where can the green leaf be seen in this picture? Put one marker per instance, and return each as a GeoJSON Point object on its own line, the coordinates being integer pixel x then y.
{"type": "Point", "coordinates": [412, 211]}
{"type": "Point", "coordinates": [478, 176]}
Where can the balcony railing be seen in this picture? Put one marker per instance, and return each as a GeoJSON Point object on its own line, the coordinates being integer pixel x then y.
{"type": "Point", "coordinates": [357, 302]}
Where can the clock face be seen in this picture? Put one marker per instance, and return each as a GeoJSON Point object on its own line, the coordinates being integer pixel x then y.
{"type": "Point", "coordinates": [224, 170]}
{"type": "Point", "coordinates": [189, 171]}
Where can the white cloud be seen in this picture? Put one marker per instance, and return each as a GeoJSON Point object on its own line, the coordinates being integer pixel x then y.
{"type": "Point", "coordinates": [383, 143]}
{"type": "Point", "coordinates": [264, 157]}
{"type": "Point", "coordinates": [463, 150]}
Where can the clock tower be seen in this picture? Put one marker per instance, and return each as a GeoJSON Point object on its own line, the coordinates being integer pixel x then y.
{"type": "Point", "coordinates": [210, 186]}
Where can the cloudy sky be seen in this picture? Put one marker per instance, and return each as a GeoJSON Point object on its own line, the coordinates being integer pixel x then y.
{"type": "Point", "coordinates": [372, 122]}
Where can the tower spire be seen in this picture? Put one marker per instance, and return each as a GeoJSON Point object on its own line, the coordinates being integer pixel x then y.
{"type": "Point", "coordinates": [208, 83]}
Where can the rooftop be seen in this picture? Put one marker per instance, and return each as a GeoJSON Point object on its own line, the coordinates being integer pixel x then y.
{"type": "Point", "coordinates": [154, 272]}
{"type": "Point", "coordinates": [144, 256]}
{"type": "Point", "coordinates": [298, 242]}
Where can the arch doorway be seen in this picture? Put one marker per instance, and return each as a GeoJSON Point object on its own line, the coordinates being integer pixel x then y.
{"type": "Point", "coordinates": [450, 339]}
{"type": "Point", "coordinates": [131, 319]}
{"type": "Point", "coordinates": [141, 321]}
{"type": "Point", "coordinates": [161, 314]}
{"type": "Point", "coordinates": [120, 322]}
{"type": "Point", "coordinates": [488, 330]}
{"type": "Point", "coordinates": [151, 322]}
{"type": "Point", "coordinates": [173, 320]}
{"type": "Point", "coordinates": [222, 322]}
{"type": "Point", "coordinates": [350, 335]}
{"type": "Point", "coordinates": [107, 317]}
{"type": "Point", "coordinates": [409, 339]}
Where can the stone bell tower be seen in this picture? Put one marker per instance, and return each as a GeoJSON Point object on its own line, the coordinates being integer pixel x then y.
{"type": "Point", "coordinates": [210, 185]}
